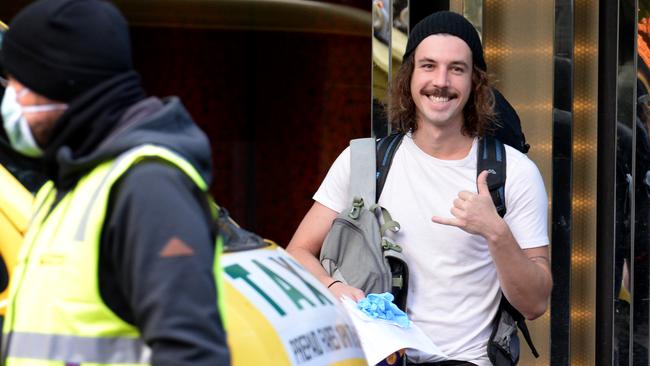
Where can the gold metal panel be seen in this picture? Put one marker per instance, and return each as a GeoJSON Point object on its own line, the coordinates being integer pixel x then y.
{"type": "Point", "coordinates": [583, 281]}
{"type": "Point", "coordinates": [518, 39]}
{"type": "Point", "coordinates": [518, 43]}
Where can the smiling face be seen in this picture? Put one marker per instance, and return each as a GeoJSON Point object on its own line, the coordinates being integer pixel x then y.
{"type": "Point", "coordinates": [441, 82]}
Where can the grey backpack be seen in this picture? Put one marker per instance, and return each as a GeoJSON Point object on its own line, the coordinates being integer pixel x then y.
{"type": "Point", "coordinates": [356, 250]}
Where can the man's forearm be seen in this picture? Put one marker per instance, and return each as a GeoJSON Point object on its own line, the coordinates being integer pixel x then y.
{"type": "Point", "coordinates": [525, 276]}
{"type": "Point", "coordinates": [311, 263]}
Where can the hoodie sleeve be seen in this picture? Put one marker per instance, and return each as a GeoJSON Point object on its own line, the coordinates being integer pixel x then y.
{"type": "Point", "coordinates": [157, 251]}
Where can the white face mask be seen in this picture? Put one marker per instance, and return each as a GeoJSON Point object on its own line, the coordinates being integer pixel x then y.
{"type": "Point", "coordinates": [15, 124]}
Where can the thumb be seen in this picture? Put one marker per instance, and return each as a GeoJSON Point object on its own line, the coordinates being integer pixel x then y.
{"type": "Point", "coordinates": [481, 183]}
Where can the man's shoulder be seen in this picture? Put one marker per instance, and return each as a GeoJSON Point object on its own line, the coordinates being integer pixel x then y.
{"type": "Point", "coordinates": [152, 187]}
{"type": "Point", "coordinates": [523, 177]}
{"type": "Point", "coordinates": [153, 175]}
{"type": "Point", "coordinates": [515, 158]}
{"type": "Point", "coordinates": [152, 166]}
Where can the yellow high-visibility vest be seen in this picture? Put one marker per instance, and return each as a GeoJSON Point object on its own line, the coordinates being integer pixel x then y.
{"type": "Point", "coordinates": [56, 315]}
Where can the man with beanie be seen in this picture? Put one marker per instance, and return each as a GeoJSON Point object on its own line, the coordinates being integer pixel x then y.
{"type": "Point", "coordinates": [461, 254]}
{"type": "Point", "coordinates": [119, 265]}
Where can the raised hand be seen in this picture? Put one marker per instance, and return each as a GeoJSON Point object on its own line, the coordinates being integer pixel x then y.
{"type": "Point", "coordinates": [473, 213]}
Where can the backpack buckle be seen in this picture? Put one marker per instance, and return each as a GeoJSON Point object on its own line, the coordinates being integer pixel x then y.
{"type": "Point", "coordinates": [389, 245]}
{"type": "Point", "coordinates": [357, 205]}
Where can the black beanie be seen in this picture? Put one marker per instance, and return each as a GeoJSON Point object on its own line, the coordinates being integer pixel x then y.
{"type": "Point", "coordinates": [61, 48]}
{"type": "Point", "coordinates": [447, 22]}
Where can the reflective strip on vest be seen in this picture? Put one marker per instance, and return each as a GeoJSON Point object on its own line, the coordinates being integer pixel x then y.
{"type": "Point", "coordinates": [74, 349]}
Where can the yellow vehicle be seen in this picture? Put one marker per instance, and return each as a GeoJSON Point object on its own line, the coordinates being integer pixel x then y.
{"type": "Point", "coordinates": [276, 312]}
{"type": "Point", "coordinates": [15, 204]}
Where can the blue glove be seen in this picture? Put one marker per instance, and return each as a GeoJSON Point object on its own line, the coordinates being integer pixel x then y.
{"type": "Point", "coordinates": [380, 306]}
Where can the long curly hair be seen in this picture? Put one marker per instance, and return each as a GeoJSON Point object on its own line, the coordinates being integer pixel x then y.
{"type": "Point", "coordinates": [478, 113]}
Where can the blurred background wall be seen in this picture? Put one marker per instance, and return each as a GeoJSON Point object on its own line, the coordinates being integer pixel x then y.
{"type": "Point", "coordinates": [279, 86]}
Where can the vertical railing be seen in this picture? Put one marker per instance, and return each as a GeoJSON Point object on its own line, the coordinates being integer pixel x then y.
{"type": "Point", "coordinates": [638, 261]}
{"type": "Point", "coordinates": [382, 63]}
{"type": "Point", "coordinates": [562, 152]}
{"type": "Point", "coordinates": [606, 197]}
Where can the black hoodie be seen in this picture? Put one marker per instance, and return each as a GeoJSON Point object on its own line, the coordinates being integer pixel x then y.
{"type": "Point", "coordinates": [157, 243]}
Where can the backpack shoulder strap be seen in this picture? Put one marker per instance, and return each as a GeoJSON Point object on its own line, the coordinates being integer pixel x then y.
{"type": "Point", "coordinates": [491, 156]}
{"type": "Point", "coordinates": [520, 321]}
{"type": "Point", "coordinates": [362, 170]}
{"type": "Point", "coordinates": [386, 148]}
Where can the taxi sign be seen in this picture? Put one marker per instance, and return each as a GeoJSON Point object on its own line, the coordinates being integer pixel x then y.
{"type": "Point", "coordinates": [293, 314]}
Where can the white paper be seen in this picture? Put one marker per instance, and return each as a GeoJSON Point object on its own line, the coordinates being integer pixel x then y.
{"type": "Point", "coordinates": [380, 338]}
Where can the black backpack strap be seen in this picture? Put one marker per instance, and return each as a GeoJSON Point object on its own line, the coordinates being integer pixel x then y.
{"type": "Point", "coordinates": [386, 148]}
{"type": "Point", "coordinates": [524, 331]}
{"type": "Point", "coordinates": [491, 156]}
{"type": "Point", "coordinates": [521, 323]}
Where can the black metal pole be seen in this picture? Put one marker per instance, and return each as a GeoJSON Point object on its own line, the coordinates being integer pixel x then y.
{"type": "Point", "coordinates": [562, 214]}
{"type": "Point", "coordinates": [606, 181]}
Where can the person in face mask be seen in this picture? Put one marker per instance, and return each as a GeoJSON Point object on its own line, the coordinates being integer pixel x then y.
{"type": "Point", "coordinates": [24, 111]}
{"type": "Point", "coordinates": [117, 266]}
{"type": "Point", "coordinates": [19, 165]}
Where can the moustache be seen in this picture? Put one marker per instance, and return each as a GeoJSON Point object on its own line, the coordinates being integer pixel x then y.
{"type": "Point", "coordinates": [439, 92]}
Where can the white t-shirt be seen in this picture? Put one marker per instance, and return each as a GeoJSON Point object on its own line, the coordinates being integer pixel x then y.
{"type": "Point", "coordinates": [453, 287]}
